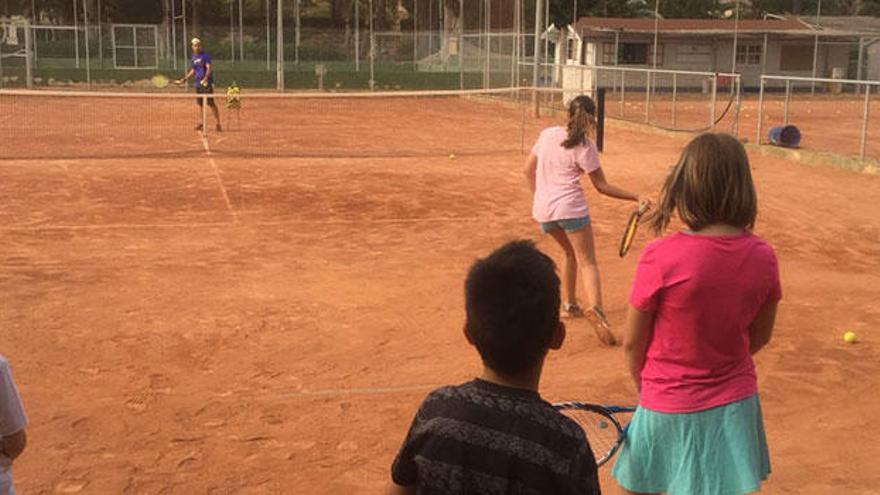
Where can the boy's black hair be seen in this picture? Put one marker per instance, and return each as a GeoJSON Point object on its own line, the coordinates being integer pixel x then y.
{"type": "Point", "coordinates": [512, 305]}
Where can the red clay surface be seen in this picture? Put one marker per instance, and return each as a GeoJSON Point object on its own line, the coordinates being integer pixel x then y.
{"type": "Point", "coordinates": [167, 341]}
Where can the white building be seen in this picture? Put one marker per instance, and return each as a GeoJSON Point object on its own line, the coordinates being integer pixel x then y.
{"type": "Point", "coordinates": [772, 46]}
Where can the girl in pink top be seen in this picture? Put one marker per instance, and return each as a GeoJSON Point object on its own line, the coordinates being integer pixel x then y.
{"type": "Point", "coordinates": [554, 169]}
{"type": "Point", "coordinates": [703, 302]}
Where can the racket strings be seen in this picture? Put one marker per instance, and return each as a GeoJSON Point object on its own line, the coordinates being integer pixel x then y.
{"type": "Point", "coordinates": [602, 432]}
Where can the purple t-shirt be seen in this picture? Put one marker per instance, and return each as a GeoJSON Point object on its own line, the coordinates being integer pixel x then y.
{"type": "Point", "coordinates": [558, 192]}
{"type": "Point", "coordinates": [199, 63]}
{"type": "Point", "coordinates": [704, 292]}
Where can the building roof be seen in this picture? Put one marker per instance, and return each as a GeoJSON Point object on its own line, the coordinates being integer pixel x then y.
{"type": "Point", "coordinates": [692, 26]}
{"type": "Point", "coordinates": [863, 25]}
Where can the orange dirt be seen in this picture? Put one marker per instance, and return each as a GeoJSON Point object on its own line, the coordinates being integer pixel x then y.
{"type": "Point", "coordinates": [166, 341]}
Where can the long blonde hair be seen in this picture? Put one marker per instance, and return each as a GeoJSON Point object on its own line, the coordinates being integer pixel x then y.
{"type": "Point", "coordinates": [581, 121]}
{"type": "Point", "coordinates": [710, 184]}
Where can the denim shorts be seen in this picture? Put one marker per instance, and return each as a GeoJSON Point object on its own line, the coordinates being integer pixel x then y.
{"type": "Point", "coordinates": [568, 224]}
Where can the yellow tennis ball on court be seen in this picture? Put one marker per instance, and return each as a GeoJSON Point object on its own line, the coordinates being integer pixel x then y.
{"type": "Point", "coordinates": [452, 156]}
{"type": "Point", "coordinates": [849, 337]}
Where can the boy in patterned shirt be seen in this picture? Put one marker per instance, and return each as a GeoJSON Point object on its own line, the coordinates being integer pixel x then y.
{"type": "Point", "coordinates": [495, 434]}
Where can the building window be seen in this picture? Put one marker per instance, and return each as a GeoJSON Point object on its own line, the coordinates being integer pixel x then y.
{"type": "Point", "coordinates": [748, 54]}
{"type": "Point", "coordinates": [608, 54]}
{"type": "Point", "coordinates": [572, 50]}
{"type": "Point", "coordinates": [639, 54]}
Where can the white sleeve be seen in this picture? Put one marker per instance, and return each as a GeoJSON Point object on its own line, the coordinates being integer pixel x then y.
{"type": "Point", "coordinates": [12, 418]}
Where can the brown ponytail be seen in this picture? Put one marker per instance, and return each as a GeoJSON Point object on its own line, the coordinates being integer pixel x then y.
{"type": "Point", "coordinates": [581, 121]}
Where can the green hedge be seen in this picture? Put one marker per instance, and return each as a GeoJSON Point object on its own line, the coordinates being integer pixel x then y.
{"type": "Point", "coordinates": [340, 77]}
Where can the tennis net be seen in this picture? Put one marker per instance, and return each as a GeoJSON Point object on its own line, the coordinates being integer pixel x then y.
{"type": "Point", "coordinates": [42, 124]}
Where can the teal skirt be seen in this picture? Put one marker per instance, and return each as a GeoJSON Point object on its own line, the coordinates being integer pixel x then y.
{"type": "Point", "coordinates": [719, 451]}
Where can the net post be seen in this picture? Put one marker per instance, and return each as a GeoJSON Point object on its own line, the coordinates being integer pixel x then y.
{"type": "Point", "coordinates": [647, 97]}
{"type": "Point", "coordinates": [760, 111]}
{"type": "Point", "coordinates": [787, 100]}
{"type": "Point", "coordinates": [622, 94]}
{"type": "Point", "coordinates": [600, 119]}
{"type": "Point", "coordinates": [866, 112]}
{"type": "Point", "coordinates": [204, 115]}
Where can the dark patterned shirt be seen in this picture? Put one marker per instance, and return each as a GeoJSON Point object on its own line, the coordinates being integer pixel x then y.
{"type": "Point", "coordinates": [480, 437]}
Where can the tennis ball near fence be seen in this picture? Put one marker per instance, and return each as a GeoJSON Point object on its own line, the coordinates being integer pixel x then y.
{"type": "Point", "coordinates": [849, 337]}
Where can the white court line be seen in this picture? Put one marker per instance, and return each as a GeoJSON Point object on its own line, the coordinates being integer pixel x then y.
{"type": "Point", "coordinates": [337, 392]}
{"type": "Point", "coordinates": [219, 179]}
{"type": "Point", "coordinates": [273, 223]}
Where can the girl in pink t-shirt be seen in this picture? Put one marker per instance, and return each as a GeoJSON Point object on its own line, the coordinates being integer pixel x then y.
{"type": "Point", "coordinates": [703, 302]}
{"type": "Point", "coordinates": [554, 169]}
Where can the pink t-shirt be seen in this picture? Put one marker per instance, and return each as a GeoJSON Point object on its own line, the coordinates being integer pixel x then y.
{"type": "Point", "coordinates": [705, 292]}
{"type": "Point", "coordinates": [558, 192]}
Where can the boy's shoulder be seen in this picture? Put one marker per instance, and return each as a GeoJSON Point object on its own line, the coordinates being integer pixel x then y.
{"type": "Point", "coordinates": [484, 399]}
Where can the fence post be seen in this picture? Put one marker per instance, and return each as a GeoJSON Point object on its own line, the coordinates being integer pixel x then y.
{"type": "Point", "coordinates": [28, 58]}
{"type": "Point", "coordinates": [357, 37]}
{"type": "Point", "coordinates": [787, 99]}
{"type": "Point", "coordinates": [76, 34]}
{"type": "Point", "coordinates": [760, 112]}
{"type": "Point", "coordinates": [713, 101]}
{"type": "Point", "coordinates": [865, 114]}
{"type": "Point", "coordinates": [600, 119]}
{"type": "Point", "coordinates": [86, 45]}
{"type": "Point", "coordinates": [279, 48]}
{"type": "Point", "coordinates": [461, 44]}
{"type": "Point", "coordinates": [736, 110]}
{"type": "Point", "coordinates": [372, 50]}
{"type": "Point", "coordinates": [674, 96]}
{"type": "Point", "coordinates": [537, 57]}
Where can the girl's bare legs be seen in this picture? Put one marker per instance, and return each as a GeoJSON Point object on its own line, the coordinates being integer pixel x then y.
{"type": "Point", "coordinates": [569, 267]}
{"type": "Point", "coordinates": [585, 251]}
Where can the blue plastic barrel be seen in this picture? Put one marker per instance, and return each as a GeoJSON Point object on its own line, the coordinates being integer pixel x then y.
{"type": "Point", "coordinates": [787, 136]}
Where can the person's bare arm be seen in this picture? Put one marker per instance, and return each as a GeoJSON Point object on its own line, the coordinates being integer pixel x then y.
{"type": "Point", "coordinates": [395, 489]}
{"type": "Point", "coordinates": [11, 446]}
{"type": "Point", "coordinates": [530, 171]}
{"type": "Point", "coordinates": [639, 329]}
{"type": "Point", "coordinates": [186, 76]}
{"type": "Point", "coordinates": [209, 69]}
{"type": "Point", "coordinates": [761, 328]}
{"type": "Point", "coordinates": [597, 177]}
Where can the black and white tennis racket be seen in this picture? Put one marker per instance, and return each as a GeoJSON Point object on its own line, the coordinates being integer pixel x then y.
{"type": "Point", "coordinates": [602, 424]}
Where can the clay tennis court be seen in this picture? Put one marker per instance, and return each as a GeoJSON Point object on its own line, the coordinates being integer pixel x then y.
{"type": "Point", "coordinates": [222, 323]}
